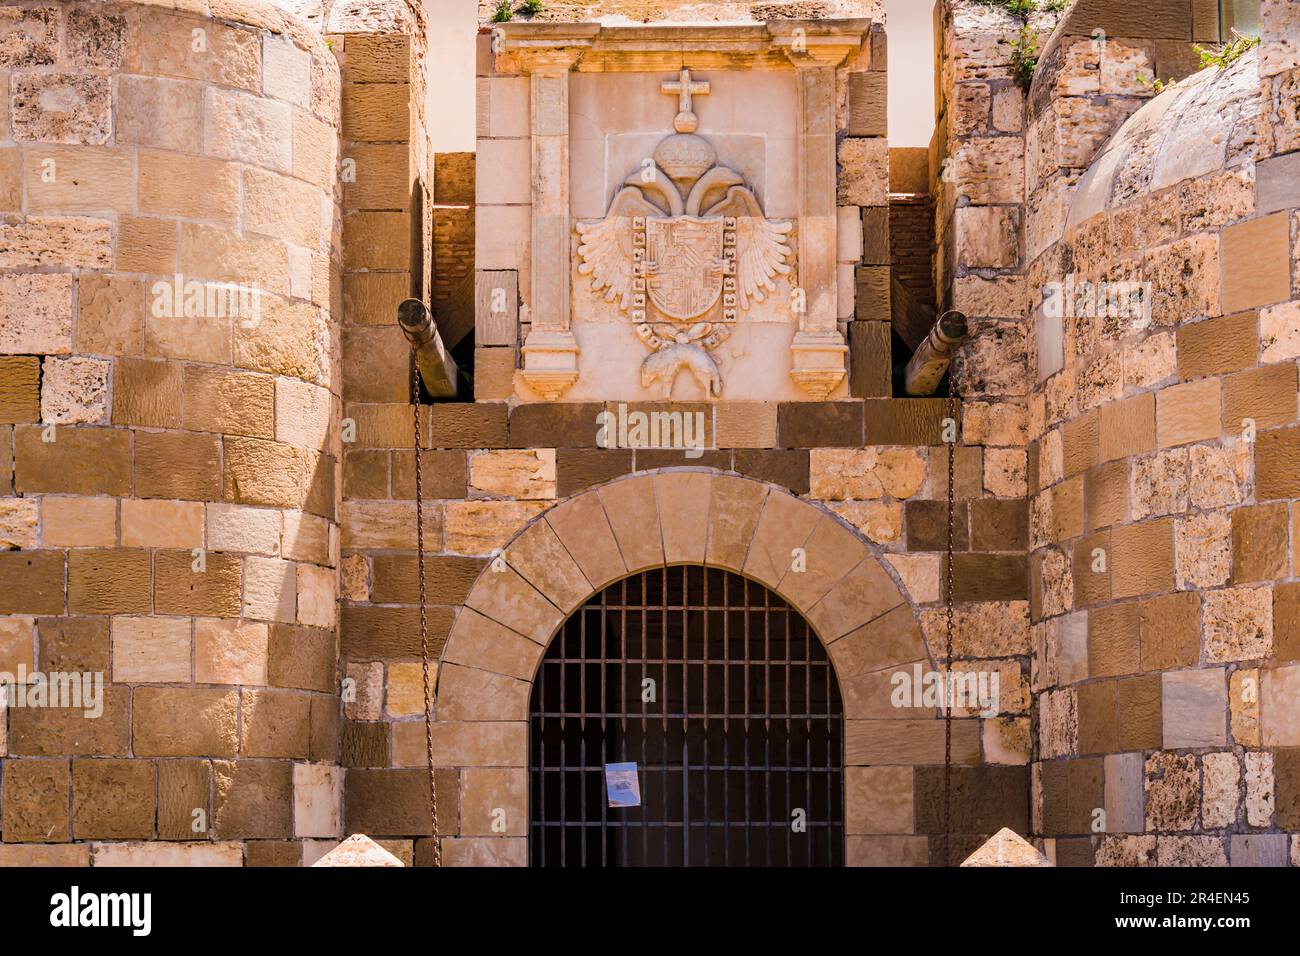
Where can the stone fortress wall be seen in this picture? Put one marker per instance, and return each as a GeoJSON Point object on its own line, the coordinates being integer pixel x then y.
{"type": "Point", "coordinates": [169, 453]}
{"type": "Point", "coordinates": [280, 450]}
{"type": "Point", "coordinates": [1161, 455]}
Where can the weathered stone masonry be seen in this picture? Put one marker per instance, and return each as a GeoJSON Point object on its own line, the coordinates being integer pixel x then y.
{"type": "Point", "coordinates": [275, 685]}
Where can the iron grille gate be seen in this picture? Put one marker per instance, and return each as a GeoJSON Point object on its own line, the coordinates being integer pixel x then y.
{"type": "Point", "coordinates": [722, 696]}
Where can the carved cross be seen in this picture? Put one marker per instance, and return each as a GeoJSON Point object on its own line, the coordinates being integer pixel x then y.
{"type": "Point", "coordinates": [685, 121]}
{"type": "Point", "coordinates": [684, 87]}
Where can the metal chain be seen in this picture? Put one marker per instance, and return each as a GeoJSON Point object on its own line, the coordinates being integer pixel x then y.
{"type": "Point", "coordinates": [947, 662]}
{"type": "Point", "coordinates": [424, 615]}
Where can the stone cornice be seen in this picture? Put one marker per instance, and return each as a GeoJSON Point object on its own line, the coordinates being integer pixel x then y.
{"type": "Point", "coordinates": [593, 47]}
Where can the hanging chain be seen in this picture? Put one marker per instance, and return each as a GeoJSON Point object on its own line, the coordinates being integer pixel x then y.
{"type": "Point", "coordinates": [424, 616]}
{"type": "Point", "coordinates": [947, 660]}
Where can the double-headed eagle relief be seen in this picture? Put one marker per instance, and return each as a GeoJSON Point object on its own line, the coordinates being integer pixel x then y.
{"type": "Point", "coordinates": [684, 249]}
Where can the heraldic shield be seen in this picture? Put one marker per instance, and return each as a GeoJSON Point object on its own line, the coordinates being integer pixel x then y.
{"type": "Point", "coordinates": [684, 266]}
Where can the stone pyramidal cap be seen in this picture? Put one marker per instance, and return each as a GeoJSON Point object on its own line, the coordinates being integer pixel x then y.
{"type": "Point", "coordinates": [358, 850]}
{"type": "Point", "coordinates": [1006, 848]}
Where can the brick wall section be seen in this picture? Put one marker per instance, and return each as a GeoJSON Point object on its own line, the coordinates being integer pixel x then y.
{"type": "Point", "coordinates": [167, 479]}
{"type": "Point", "coordinates": [1166, 673]}
{"type": "Point", "coordinates": [911, 244]}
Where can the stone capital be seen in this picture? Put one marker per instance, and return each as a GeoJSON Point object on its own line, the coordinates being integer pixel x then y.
{"type": "Point", "coordinates": [818, 362]}
{"type": "Point", "coordinates": [550, 362]}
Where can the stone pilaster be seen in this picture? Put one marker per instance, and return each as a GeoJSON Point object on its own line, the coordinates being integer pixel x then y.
{"type": "Point", "coordinates": [550, 353]}
{"type": "Point", "coordinates": [818, 351]}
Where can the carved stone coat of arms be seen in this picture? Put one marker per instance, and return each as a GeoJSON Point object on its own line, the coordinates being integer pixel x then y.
{"type": "Point", "coordinates": [683, 249]}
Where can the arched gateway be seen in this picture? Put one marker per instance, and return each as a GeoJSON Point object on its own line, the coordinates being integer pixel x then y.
{"type": "Point", "coordinates": [662, 567]}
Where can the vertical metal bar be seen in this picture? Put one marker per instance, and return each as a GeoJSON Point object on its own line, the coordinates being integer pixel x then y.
{"type": "Point", "coordinates": [622, 698]}
{"type": "Point", "coordinates": [663, 629]}
{"type": "Point", "coordinates": [789, 746]}
{"type": "Point", "coordinates": [704, 637]}
{"type": "Point", "coordinates": [726, 720]}
{"type": "Point", "coordinates": [604, 803]}
{"type": "Point", "coordinates": [767, 719]}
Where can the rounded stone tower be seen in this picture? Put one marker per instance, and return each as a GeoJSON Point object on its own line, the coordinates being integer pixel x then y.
{"type": "Point", "coordinates": [169, 390]}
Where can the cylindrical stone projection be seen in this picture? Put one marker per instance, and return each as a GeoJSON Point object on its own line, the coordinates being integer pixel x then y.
{"type": "Point", "coordinates": [168, 444]}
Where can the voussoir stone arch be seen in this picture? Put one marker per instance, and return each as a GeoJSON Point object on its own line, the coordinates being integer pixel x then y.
{"type": "Point", "coordinates": [601, 535]}
{"type": "Point", "coordinates": [846, 592]}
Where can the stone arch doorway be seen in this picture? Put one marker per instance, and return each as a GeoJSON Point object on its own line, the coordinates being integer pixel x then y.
{"type": "Point", "coordinates": [664, 519]}
{"type": "Point", "coordinates": [716, 707]}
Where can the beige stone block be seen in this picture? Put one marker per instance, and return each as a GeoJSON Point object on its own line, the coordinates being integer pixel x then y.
{"type": "Point", "coordinates": [79, 179]}
{"type": "Point", "coordinates": [248, 128]}
{"type": "Point", "coordinates": [79, 522]}
{"type": "Point", "coordinates": [19, 523]}
{"type": "Point", "coordinates": [505, 597]}
{"type": "Point", "coordinates": [159, 111]}
{"type": "Point", "coordinates": [1279, 706]}
{"type": "Point", "coordinates": [151, 650]}
{"type": "Point", "coordinates": [17, 640]}
{"type": "Point", "coordinates": [35, 314]}
{"type": "Point", "coordinates": [162, 524]}
{"type": "Point", "coordinates": [527, 474]}
{"type": "Point", "coordinates": [302, 413]}
{"type": "Point", "coordinates": [1187, 413]}
{"type": "Point", "coordinates": [316, 588]}
{"type": "Point", "coordinates": [317, 800]}
{"type": "Point", "coordinates": [286, 71]}
{"type": "Point", "coordinates": [919, 574]}
{"type": "Point", "coordinates": [745, 424]}
{"type": "Point", "coordinates": [483, 527]}
{"type": "Point", "coordinates": [1193, 708]}
{"type": "Point", "coordinates": [270, 589]}
{"type": "Point", "coordinates": [1243, 700]}
{"type": "Point", "coordinates": [74, 390]}
{"type": "Point", "coordinates": [284, 208]}
{"type": "Point", "coordinates": [306, 537]}
{"type": "Point", "coordinates": [75, 108]}
{"type": "Point", "coordinates": [502, 237]}
{"type": "Point", "coordinates": [188, 187]}
{"type": "Point", "coordinates": [109, 315]}
{"type": "Point", "coordinates": [386, 524]}
{"type": "Point", "coordinates": [503, 171]}
{"type": "Point", "coordinates": [146, 245]}
{"type": "Point", "coordinates": [478, 743]}
{"type": "Point", "coordinates": [839, 474]}
{"type": "Point", "coordinates": [478, 641]}
{"type": "Point", "coordinates": [405, 696]}
{"type": "Point", "coordinates": [242, 528]}
{"type": "Point", "coordinates": [168, 854]}
{"type": "Point", "coordinates": [1279, 332]}
{"type": "Point", "coordinates": [878, 800]}
{"type": "Point", "coordinates": [315, 147]}
{"type": "Point", "coordinates": [230, 652]}
{"type": "Point", "coordinates": [216, 253]}
{"type": "Point", "coordinates": [1237, 624]}
{"type": "Point", "coordinates": [1256, 266]}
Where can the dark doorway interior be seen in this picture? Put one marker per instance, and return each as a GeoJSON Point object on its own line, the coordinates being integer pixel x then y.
{"type": "Point", "coordinates": [723, 698]}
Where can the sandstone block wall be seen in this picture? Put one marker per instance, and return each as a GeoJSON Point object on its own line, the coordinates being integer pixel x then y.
{"type": "Point", "coordinates": [169, 472]}
{"type": "Point", "coordinates": [1162, 463]}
